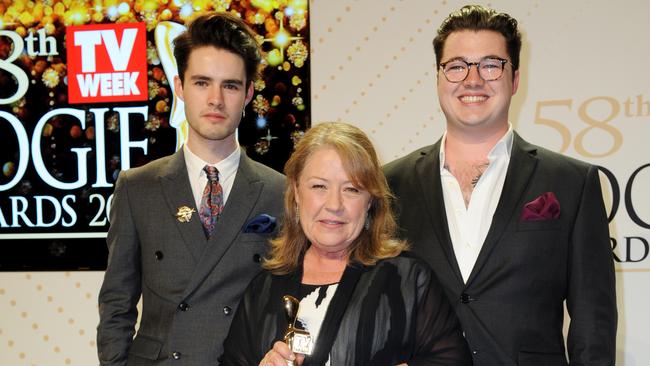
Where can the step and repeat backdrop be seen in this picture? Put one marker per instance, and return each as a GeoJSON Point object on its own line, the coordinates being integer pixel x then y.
{"type": "Point", "coordinates": [584, 91]}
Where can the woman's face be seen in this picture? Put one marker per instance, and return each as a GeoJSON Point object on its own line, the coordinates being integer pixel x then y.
{"type": "Point", "coordinates": [332, 210]}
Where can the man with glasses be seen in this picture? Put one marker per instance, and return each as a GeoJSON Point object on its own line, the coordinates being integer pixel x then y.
{"type": "Point", "coordinates": [512, 230]}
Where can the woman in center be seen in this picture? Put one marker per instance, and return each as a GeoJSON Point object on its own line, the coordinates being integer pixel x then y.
{"type": "Point", "coordinates": [362, 301]}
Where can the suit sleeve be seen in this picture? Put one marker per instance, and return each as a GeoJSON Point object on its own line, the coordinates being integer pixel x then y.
{"type": "Point", "coordinates": [121, 289]}
{"type": "Point", "coordinates": [591, 297]}
{"type": "Point", "coordinates": [438, 337]}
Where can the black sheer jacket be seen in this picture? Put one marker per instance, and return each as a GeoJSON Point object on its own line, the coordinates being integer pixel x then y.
{"type": "Point", "coordinates": [391, 313]}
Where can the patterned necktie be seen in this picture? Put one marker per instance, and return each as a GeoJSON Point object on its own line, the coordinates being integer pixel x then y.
{"type": "Point", "coordinates": [211, 201]}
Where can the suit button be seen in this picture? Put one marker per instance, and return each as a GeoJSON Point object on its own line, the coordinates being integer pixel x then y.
{"type": "Point", "coordinates": [176, 355]}
{"type": "Point", "coordinates": [159, 255]}
{"type": "Point", "coordinates": [183, 306]}
{"type": "Point", "coordinates": [475, 352]}
{"type": "Point", "coordinates": [227, 310]}
{"type": "Point", "coordinates": [466, 298]}
{"type": "Point", "coordinates": [257, 258]}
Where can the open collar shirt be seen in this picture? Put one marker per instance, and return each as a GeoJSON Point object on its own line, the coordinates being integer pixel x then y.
{"type": "Point", "coordinates": [469, 225]}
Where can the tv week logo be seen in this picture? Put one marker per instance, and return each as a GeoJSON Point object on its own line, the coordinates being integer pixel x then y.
{"type": "Point", "coordinates": [107, 63]}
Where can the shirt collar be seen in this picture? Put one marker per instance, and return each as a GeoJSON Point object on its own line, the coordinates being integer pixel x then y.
{"type": "Point", "coordinates": [226, 167]}
{"type": "Point", "coordinates": [502, 148]}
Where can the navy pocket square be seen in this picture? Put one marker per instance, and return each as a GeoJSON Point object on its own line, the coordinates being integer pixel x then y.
{"type": "Point", "coordinates": [261, 224]}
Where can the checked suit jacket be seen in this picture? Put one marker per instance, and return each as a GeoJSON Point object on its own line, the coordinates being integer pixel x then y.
{"type": "Point", "coordinates": [190, 286]}
{"type": "Point", "coordinates": [511, 308]}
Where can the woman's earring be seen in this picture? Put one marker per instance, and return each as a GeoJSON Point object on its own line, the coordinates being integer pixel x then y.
{"type": "Point", "coordinates": [297, 215]}
{"type": "Point", "coordinates": [366, 224]}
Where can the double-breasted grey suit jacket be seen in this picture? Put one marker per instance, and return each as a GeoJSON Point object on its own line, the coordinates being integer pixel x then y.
{"type": "Point", "coordinates": [511, 308]}
{"type": "Point", "coordinates": [190, 286]}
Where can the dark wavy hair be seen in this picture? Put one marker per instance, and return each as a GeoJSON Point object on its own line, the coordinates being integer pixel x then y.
{"type": "Point", "coordinates": [222, 31]}
{"type": "Point", "coordinates": [476, 18]}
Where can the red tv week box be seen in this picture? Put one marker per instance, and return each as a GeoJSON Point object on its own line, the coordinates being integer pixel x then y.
{"type": "Point", "coordinates": [107, 63]}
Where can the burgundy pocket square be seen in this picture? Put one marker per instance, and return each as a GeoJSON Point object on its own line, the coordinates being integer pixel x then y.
{"type": "Point", "coordinates": [544, 207]}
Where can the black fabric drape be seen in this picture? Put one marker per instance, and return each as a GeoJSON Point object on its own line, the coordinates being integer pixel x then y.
{"type": "Point", "coordinates": [386, 314]}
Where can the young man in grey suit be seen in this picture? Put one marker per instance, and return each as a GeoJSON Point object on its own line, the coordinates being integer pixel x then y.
{"type": "Point", "coordinates": [512, 230]}
{"type": "Point", "coordinates": [185, 236]}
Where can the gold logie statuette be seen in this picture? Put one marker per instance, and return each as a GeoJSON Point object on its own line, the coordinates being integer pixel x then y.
{"type": "Point", "coordinates": [184, 214]}
{"type": "Point", "coordinates": [298, 340]}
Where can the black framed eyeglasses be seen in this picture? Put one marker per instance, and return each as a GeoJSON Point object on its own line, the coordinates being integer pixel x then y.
{"type": "Point", "coordinates": [489, 68]}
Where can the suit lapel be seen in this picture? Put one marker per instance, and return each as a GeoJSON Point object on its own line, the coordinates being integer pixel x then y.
{"type": "Point", "coordinates": [178, 193]}
{"type": "Point", "coordinates": [430, 188]}
{"type": "Point", "coordinates": [520, 170]}
{"type": "Point", "coordinates": [243, 196]}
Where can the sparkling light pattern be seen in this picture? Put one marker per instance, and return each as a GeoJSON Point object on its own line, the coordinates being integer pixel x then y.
{"type": "Point", "coordinates": [283, 33]}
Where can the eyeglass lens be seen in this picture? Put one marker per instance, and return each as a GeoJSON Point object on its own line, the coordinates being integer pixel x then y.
{"type": "Point", "coordinates": [489, 69]}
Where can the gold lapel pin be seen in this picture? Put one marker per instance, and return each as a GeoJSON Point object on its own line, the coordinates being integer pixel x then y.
{"type": "Point", "coordinates": [184, 214]}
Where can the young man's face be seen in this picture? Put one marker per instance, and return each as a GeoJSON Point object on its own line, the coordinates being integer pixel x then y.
{"type": "Point", "coordinates": [215, 93]}
{"type": "Point", "coordinates": [476, 105]}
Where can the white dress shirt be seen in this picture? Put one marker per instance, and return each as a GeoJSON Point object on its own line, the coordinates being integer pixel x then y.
{"type": "Point", "coordinates": [198, 178]}
{"type": "Point", "coordinates": [469, 225]}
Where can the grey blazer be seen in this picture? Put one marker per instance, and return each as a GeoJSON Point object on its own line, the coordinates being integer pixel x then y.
{"type": "Point", "coordinates": [190, 286]}
{"type": "Point", "coordinates": [511, 308]}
